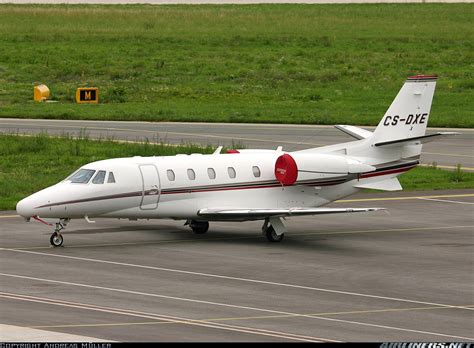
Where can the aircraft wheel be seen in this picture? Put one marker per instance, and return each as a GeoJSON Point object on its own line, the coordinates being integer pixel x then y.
{"type": "Point", "coordinates": [56, 239]}
{"type": "Point", "coordinates": [200, 227]}
{"type": "Point", "coordinates": [272, 236]}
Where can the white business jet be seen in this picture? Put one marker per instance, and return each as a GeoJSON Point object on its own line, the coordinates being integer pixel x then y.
{"type": "Point", "coordinates": [243, 185]}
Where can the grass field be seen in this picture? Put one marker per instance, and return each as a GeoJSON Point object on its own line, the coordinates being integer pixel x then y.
{"type": "Point", "coordinates": [319, 64]}
{"type": "Point", "coordinates": [23, 172]}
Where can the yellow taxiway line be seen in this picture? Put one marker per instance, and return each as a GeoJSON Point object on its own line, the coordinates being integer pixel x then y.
{"type": "Point", "coordinates": [157, 322]}
{"type": "Point", "coordinates": [402, 198]}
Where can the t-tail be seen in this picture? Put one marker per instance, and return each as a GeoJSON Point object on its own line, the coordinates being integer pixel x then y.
{"type": "Point", "coordinates": [404, 124]}
{"type": "Point", "coordinates": [395, 145]}
{"type": "Point", "coordinates": [407, 116]}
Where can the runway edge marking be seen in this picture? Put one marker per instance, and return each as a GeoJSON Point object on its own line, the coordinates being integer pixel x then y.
{"type": "Point", "coordinates": [165, 318]}
{"type": "Point", "coordinates": [250, 317]}
{"type": "Point", "coordinates": [235, 306]}
{"type": "Point", "coordinates": [238, 279]}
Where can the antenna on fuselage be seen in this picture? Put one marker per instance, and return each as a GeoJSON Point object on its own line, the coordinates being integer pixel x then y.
{"type": "Point", "coordinates": [217, 151]}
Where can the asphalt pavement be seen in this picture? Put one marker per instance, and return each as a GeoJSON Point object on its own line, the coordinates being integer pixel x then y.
{"type": "Point", "coordinates": [446, 152]}
{"type": "Point", "coordinates": [402, 275]}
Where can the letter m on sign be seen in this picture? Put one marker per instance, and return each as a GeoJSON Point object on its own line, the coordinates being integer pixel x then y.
{"type": "Point", "coordinates": [87, 95]}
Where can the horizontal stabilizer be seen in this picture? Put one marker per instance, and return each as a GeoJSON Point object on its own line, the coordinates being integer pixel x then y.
{"type": "Point", "coordinates": [419, 140]}
{"type": "Point", "coordinates": [384, 185]}
{"type": "Point", "coordinates": [355, 132]}
{"type": "Point", "coordinates": [258, 214]}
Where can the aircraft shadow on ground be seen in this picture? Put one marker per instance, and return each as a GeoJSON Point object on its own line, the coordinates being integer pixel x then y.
{"type": "Point", "coordinates": [298, 241]}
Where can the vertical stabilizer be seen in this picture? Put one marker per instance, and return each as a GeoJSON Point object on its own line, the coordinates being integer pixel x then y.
{"type": "Point", "coordinates": [408, 115]}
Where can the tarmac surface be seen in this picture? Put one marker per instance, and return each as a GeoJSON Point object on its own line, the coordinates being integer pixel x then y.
{"type": "Point", "coordinates": [446, 152]}
{"type": "Point", "coordinates": [405, 275]}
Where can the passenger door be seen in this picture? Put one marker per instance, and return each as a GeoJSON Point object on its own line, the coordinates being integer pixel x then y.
{"type": "Point", "coordinates": [150, 186]}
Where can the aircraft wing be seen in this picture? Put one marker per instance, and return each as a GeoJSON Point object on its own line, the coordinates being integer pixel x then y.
{"type": "Point", "coordinates": [258, 214]}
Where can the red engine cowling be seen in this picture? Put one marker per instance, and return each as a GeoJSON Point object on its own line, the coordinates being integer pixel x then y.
{"type": "Point", "coordinates": [286, 170]}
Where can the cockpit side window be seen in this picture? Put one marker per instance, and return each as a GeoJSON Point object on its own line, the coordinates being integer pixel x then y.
{"type": "Point", "coordinates": [99, 177]}
{"type": "Point", "coordinates": [82, 176]}
{"type": "Point", "coordinates": [111, 178]}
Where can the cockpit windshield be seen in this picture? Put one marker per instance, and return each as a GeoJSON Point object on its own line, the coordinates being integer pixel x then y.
{"type": "Point", "coordinates": [82, 176]}
{"type": "Point", "coordinates": [99, 178]}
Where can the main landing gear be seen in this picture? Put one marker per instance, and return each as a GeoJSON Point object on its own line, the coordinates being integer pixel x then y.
{"type": "Point", "coordinates": [56, 238]}
{"type": "Point", "coordinates": [273, 229]}
{"type": "Point", "coordinates": [199, 227]}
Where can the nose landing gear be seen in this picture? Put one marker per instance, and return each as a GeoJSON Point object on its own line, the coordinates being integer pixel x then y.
{"type": "Point", "coordinates": [56, 238]}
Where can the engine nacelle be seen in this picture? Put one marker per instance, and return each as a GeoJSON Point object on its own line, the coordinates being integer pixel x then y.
{"type": "Point", "coordinates": [286, 170]}
{"type": "Point", "coordinates": [296, 167]}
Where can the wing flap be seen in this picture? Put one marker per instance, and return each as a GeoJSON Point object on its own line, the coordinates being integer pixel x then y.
{"type": "Point", "coordinates": [257, 214]}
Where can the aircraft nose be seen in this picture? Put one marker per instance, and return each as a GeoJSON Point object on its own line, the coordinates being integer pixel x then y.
{"type": "Point", "coordinates": [25, 207]}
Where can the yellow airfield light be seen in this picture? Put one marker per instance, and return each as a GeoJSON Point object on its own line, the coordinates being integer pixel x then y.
{"type": "Point", "coordinates": [41, 93]}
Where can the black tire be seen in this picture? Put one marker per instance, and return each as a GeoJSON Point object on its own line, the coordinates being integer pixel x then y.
{"type": "Point", "coordinates": [272, 235]}
{"type": "Point", "coordinates": [56, 240]}
{"type": "Point", "coordinates": [200, 227]}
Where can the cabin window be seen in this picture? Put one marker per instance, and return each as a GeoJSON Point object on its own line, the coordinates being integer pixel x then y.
{"type": "Point", "coordinates": [191, 174]}
{"type": "Point", "coordinates": [170, 175]}
{"type": "Point", "coordinates": [99, 178]}
{"type": "Point", "coordinates": [82, 176]}
{"type": "Point", "coordinates": [212, 173]}
{"type": "Point", "coordinates": [111, 178]}
{"type": "Point", "coordinates": [256, 171]}
{"type": "Point", "coordinates": [231, 172]}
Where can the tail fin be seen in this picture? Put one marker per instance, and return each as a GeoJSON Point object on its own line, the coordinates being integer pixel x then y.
{"type": "Point", "coordinates": [408, 115]}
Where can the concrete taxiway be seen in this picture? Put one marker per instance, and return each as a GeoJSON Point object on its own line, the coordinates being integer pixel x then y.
{"type": "Point", "coordinates": [405, 274]}
{"type": "Point", "coordinates": [446, 153]}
